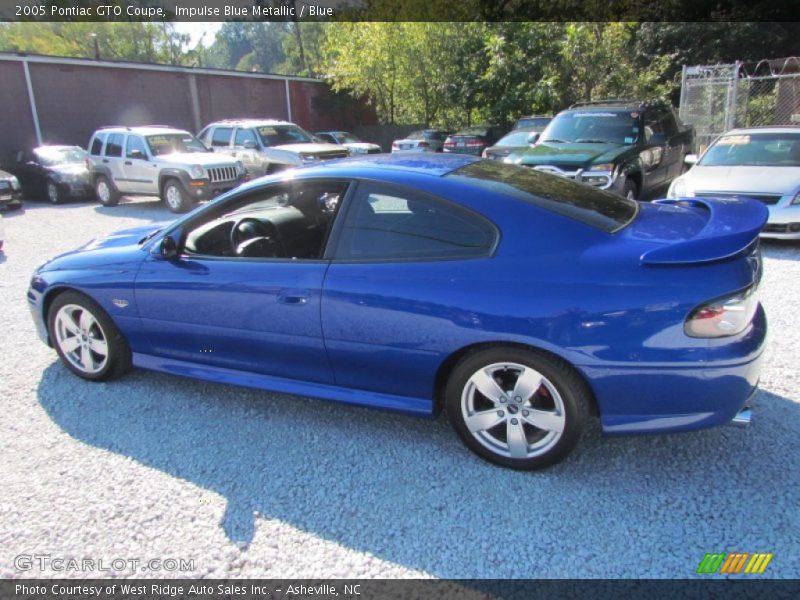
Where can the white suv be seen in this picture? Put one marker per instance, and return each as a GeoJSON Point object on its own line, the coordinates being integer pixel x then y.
{"type": "Point", "coordinates": [268, 145]}
{"type": "Point", "coordinates": [158, 161]}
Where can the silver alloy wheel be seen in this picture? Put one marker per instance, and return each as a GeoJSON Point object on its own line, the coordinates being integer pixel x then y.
{"type": "Point", "coordinates": [173, 196]}
{"type": "Point", "coordinates": [81, 339]}
{"type": "Point", "coordinates": [103, 191]}
{"type": "Point", "coordinates": [52, 192]}
{"type": "Point", "coordinates": [631, 195]}
{"type": "Point", "coordinates": [513, 410]}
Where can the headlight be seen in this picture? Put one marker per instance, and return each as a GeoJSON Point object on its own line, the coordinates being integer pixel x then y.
{"type": "Point", "coordinates": [677, 189]}
{"type": "Point", "coordinates": [602, 167]}
{"type": "Point", "coordinates": [796, 199]}
{"type": "Point", "coordinates": [308, 158]}
{"type": "Point", "coordinates": [14, 183]}
{"type": "Point", "coordinates": [723, 317]}
{"type": "Point", "coordinates": [358, 150]}
{"type": "Point", "coordinates": [197, 172]}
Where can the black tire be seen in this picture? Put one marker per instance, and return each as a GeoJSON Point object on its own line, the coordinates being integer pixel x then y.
{"type": "Point", "coordinates": [118, 356]}
{"type": "Point", "coordinates": [631, 189]}
{"type": "Point", "coordinates": [567, 404]}
{"type": "Point", "coordinates": [106, 193]}
{"type": "Point", "coordinates": [175, 197]}
{"type": "Point", "coordinates": [53, 195]}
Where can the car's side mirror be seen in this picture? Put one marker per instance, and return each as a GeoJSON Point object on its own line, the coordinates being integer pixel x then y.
{"type": "Point", "coordinates": [658, 139]}
{"type": "Point", "coordinates": [533, 138]}
{"type": "Point", "coordinates": [31, 163]}
{"type": "Point", "coordinates": [137, 154]}
{"type": "Point", "coordinates": [690, 159]}
{"type": "Point", "coordinates": [249, 145]}
{"type": "Point", "coordinates": [168, 248]}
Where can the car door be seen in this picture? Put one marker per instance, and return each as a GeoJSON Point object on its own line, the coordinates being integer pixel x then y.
{"type": "Point", "coordinates": [245, 149]}
{"type": "Point", "coordinates": [113, 161]}
{"type": "Point", "coordinates": [30, 173]}
{"type": "Point", "coordinates": [654, 154]}
{"type": "Point", "coordinates": [140, 172]}
{"type": "Point", "coordinates": [394, 299]}
{"type": "Point", "coordinates": [675, 149]}
{"type": "Point", "coordinates": [250, 314]}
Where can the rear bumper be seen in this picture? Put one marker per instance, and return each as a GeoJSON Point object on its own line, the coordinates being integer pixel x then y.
{"type": "Point", "coordinates": [10, 200]}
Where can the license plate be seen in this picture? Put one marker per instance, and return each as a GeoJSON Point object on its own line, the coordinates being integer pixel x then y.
{"type": "Point", "coordinates": [461, 144]}
{"type": "Point", "coordinates": [5, 196]}
{"type": "Point", "coordinates": [405, 146]}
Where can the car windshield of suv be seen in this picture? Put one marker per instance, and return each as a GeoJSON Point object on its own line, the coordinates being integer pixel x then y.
{"type": "Point", "coordinates": [170, 143]}
{"type": "Point", "coordinates": [50, 157]}
{"type": "Point", "coordinates": [533, 122]}
{"type": "Point", "coordinates": [603, 210]}
{"type": "Point", "coordinates": [277, 135]}
{"type": "Point", "coordinates": [346, 138]}
{"type": "Point", "coordinates": [754, 149]}
{"type": "Point", "coordinates": [593, 127]}
{"type": "Point", "coordinates": [515, 139]}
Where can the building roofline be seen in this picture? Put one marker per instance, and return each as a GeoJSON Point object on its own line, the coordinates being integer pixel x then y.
{"type": "Point", "coordinates": [122, 64]}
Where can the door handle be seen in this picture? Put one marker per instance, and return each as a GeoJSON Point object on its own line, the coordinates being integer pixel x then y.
{"type": "Point", "coordinates": [105, 160]}
{"type": "Point", "coordinates": [293, 299]}
{"type": "Point", "coordinates": [129, 163]}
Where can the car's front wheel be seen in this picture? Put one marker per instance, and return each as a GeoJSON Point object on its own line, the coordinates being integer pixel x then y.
{"type": "Point", "coordinates": [53, 194]}
{"type": "Point", "coordinates": [86, 339]}
{"type": "Point", "coordinates": [517, 408]}
{"type": "Point", "coordinates": [106, 193]}
{"type": "Point", "coordinates": [175, 197]}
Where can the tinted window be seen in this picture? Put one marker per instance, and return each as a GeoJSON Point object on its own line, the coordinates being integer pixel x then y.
{"type": "Point", "coordinates": [326, 137]}
{"type": "Point", "coordinates": [244, 135]}
{"type": "Point", "coordinates": [222, 136]}
{"type": "Point", "coordinates": [594, 207]}
{"type": "Point", "coordinates": [538, 122]}
{"type": "Point", "coordinates": [387, 223]}
{"type": "Point", "coordinates": [652, 124]}
{"type": "Point", "coordinates": [515, 138]}
{"type": "Point", "coordinates": [276, 135]}
{"type": "Point", "coordinates": [135, 143]}
{"type": "Point", "coordinates": [97, 144]}
{"type": "Point", "coordinates": [114, 145]}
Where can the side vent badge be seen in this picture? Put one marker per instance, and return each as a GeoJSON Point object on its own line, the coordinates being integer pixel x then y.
{"type": "Point", "coordinates": [120, 302]}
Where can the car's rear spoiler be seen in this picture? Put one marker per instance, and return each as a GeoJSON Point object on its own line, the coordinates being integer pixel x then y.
{"type": "Point", "coordinates": [733, 225]}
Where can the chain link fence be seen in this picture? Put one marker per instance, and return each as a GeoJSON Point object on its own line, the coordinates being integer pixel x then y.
{"type": "Point", "coordinates": [716, 98]}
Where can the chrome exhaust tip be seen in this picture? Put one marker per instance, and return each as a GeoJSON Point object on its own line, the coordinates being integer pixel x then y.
{"type": "Point", "coordinates": [743, 417]}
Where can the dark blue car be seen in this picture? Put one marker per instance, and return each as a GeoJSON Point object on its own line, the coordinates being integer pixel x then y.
{"type": "Point", "coordinates": [520, 302]}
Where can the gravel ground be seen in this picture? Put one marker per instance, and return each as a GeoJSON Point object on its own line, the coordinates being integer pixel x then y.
{"type": "Point", "coordinates": [250, 484]}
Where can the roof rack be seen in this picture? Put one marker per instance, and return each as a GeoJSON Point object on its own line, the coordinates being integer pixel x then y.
{"type": "Point", "coordinates": [612, 101]}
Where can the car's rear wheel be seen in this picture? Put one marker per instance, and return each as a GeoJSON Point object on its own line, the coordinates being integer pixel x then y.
{"type": "Point", "coordinates": [53, 194]}
{"type": "Point", "coordinates": [175, 197]}
{"type": "Point", "coordinates": [106, 193]}
{"type": "Point", "coordinates": [517, 408]}
{"type": "Point", "coordinates": [86, 339]}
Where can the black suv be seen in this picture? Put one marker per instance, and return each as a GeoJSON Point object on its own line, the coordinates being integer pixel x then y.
{"type": "Point", "coordinates": [628, 147]}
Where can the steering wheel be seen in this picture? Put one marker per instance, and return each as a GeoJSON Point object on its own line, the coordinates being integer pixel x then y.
{"type": "Point", "coordinates": [247, 233]}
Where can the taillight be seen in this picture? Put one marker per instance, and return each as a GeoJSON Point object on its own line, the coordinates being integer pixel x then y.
{"type": "Point", "coordinates": [394, 144]}
{"type": "Point", "coordinates": [475, 142]}
{"type": "Point", "coordinates": [723, 317]}
{"type": "Point", "coordinates": [449, 144]}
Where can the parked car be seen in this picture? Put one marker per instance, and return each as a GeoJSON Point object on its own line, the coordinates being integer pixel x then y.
{"type": "Point", "coordinates": [349, 141]}
{"type": "Point", "coordinates": [473, 140]}
{"type": "Point", "coordinates": [10, 191]}
{"type": "Point", "coordinates": [538, 122]}
{"type": "Point", "coordinates": [424, 140]}
{"type": "Point", "coordinates": [631, 148]}
{"type": "Point", "coordinates": [518, 139]}
{"type": "Point", "coordinates": [519, 302]}
{"type": "Point", "coordinates": [158, 161]}
{"type": "Point", "coordinates": [54, 173]}
{"type": "Point", "coordinates": [266, 145]}
{"type": "Point", "coordinates": [761, 163]}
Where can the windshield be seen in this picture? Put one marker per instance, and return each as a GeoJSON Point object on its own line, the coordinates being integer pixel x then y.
{"type": "Point", "coordinates": [754, 149]}
{"type": "Point", "coordinates": [50, 157]}
{"type": "Point", "coordinates": [277, 135]}
{"type": "Point", "coordinates": [583, 203]}
{"type": "Point", "coordinates": [346, 138]}
{"type": "Point", "coordinates": [169, 143]}
{"type": "Point", "coordinates": [515, 138]}
{"type": "Point", "coordinates": [593, 127]}
{"type": "Point", "coordinates": [533, 122]}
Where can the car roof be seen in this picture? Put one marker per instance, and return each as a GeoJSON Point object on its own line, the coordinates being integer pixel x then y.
{"type": "Point", "coordinates": [250, 122]}
{"type": "Point", "coordinates": [142, 130]}
{"type": "Point", "coordinates": [765, 129]}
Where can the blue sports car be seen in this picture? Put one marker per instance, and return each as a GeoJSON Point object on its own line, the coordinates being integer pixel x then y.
{"type": "Point", "coordinates": [519, 302]}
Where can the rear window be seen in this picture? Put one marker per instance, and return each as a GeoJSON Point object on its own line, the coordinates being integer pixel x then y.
{"type": "Point", "coordinates": [591, 206]}
{"type": "Point", "coordinates": [114, 145]}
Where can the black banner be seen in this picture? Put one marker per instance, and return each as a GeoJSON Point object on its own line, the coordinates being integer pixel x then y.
{"type": "Point", "coordinates": [397, 10]}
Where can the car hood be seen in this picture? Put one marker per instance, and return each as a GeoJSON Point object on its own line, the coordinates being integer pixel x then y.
{"type": "Point", "coordinates": [309, 148]}
{"type": "Point", "coordinates": [569, 155]}
{"type": "Point", "coordinates": [763, 180]}
{"type": "Point", "coordinates": [197, 158]}
{"type": "Point", "coordinates": [72, 169]}
{"type": "Point", "coordinates": [362, 145]}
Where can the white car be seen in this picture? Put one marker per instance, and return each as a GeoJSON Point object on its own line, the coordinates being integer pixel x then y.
{"type": "Point", "coordinates": [353, 144]}
{"type": "Point", "coordinates": [424, 140]}
{"type": "Point", "coordinates": [761, 163]}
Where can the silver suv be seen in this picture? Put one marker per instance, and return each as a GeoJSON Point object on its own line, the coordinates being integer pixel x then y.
{"type": "Point", "coordinates": [268, 145]}
{"type": "Point", "coordinates": [158, 161]}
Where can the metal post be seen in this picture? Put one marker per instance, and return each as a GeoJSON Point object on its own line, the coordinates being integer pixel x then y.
{"type": "Point", "coordinates": [682, 102]}
{"type": "Point", "coordinates": [733, 97]}
{"type": "Point", "coordinates": [288, 101]}
{"type": "Point", "coordinates": [195, 97]}
{"type": "Point", "coordinates": [32, 101]}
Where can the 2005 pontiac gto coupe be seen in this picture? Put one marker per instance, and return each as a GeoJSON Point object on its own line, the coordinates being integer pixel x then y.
{"type": "Point", "coordinates": [520, 302]}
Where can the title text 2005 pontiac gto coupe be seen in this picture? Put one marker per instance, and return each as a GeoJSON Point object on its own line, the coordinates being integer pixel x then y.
{"type": "Point", "coordinates": [520, 302]}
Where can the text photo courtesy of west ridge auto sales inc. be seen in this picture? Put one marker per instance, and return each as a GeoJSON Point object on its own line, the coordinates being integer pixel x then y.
{"type": "Point", "coordinates": [390, 299]}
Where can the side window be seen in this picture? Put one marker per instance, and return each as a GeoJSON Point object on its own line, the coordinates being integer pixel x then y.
{"type": "Point", "coordinates": [326, 137]}
{"type": "Point", "coordinates": [652, 124]}
{"type": "Point", "coordinates": [244, 135]}
{"type": "Point", "coordinates": [134, 147]}
{"type": "Point", "coordinates": [221, 137]}
{"type": "Point", "coordinates": [384, 223]}
{"type": "Point", "coordinates": [97, 144]}
{"type": "Point", "coordinates": [203, 135]}
{"type": "Point", "coordinates": [668, 124]}
{"type": "Point", "coordinates": [114, 145]}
